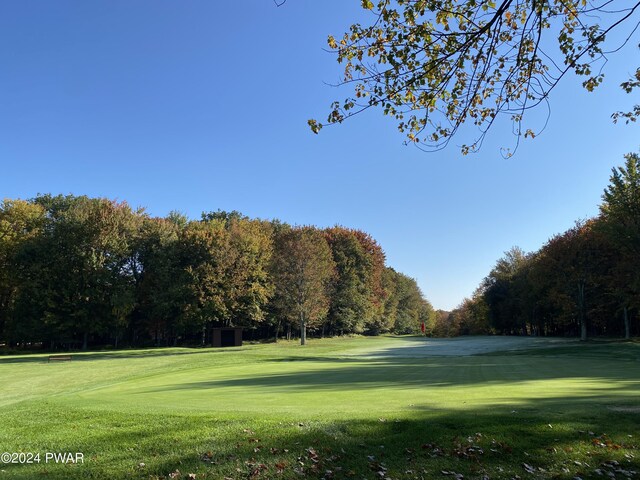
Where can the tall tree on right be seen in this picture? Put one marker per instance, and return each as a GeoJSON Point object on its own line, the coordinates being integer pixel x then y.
{"type": "Point", "coordinates": [621, 222]}
{"type": "Point", "coordinates": [576, 261]}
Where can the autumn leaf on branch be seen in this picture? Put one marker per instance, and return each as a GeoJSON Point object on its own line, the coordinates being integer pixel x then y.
{"type": "Point", "coordinates": [435, 65]}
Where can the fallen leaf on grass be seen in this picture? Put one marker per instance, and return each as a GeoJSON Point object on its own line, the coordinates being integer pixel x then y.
{"type": "Point", "coordinates": [255, 469]}
{"type": "Point", "coordinates": [312, 454]}
{"type": "Point", "coordinates": [280, 466]}
{"type": "Point", "coordinates": [206, 457]}
{"type": "Point", "coordinates": [611, 467]}
{"type": "Point", "coordinates": [457, 476]}
{"type": "Point", "coordinates": [605, 442]}
{"type": "Point", "coordinates": [436, 451]}
{"type": "Point", "coordinates": [503, 446]}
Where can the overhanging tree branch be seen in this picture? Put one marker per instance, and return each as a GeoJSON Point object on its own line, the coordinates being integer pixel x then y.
{"type": "Point", "coordinates": [434, 65]}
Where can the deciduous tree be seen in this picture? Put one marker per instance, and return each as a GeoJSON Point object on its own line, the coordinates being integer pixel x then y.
{"type": "Point", "coordinates": [621, 223]}
{"type": "Point", "coordinates": [303, 271]}
{"type": "Point", "coordinates": [20, 222]}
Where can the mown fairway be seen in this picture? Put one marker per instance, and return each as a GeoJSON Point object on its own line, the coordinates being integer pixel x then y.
{"type": "Point", "coordinates": [340, 408]}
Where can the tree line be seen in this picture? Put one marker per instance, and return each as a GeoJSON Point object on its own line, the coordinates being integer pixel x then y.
{"type": "Point", "coordinates": [583, 282]}
{"type": "Point", "coordinates": [78, 272]}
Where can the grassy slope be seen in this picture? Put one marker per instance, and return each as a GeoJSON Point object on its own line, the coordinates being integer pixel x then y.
{"type": "Point", "coordinates": [280, 411]}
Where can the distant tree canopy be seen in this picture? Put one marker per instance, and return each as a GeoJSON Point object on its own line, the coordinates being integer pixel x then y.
{"type": "Point", "coordinates": [585, 281]}
{"type": "Point", "coordinates": [78, 271]}
{"type": "Point", "coordinates": [434, 65]}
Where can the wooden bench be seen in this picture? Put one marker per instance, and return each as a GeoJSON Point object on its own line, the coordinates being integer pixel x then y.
{"type": "Point", "coordinates": [59, 358]}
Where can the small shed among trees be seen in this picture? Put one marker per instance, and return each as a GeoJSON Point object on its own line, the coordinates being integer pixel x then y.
{"type": "Point", "coordinates": [227, 337]}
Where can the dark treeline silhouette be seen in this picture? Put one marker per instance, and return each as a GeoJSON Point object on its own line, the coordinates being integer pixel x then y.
{"type": "Point", "coordinates": [585, 281]}
{"type": "Point", "coordinates": [78, 272]}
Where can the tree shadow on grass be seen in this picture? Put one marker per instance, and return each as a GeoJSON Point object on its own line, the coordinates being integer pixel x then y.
{"type": "Point", "coordinates": [542, 439]}
{"type": "Point", "coordinates": [335, 374]}
{"type": "Point", "coordinates": [115, 355]}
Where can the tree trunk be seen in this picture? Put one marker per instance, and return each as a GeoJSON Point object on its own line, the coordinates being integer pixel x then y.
{"type": "Point", "coordinates": [303, 330]}
{"type": "Point", "coordinates": [277, 330]}
{"type": "Point", "coordinates": [85, 341]}
{"type": "Point", "coordinates": [583, 330]}
{"type": "Point", "coordinates": [627, 333]}
{"type": "Point", "coordinates": [583, 320]}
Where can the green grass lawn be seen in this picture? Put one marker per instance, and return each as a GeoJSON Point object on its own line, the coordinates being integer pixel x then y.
{"type": "Point", "coordinates": [358, 408]}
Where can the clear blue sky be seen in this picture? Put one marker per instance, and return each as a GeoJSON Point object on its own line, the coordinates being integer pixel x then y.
{"type": "Point", "coordinates": [199, 105]}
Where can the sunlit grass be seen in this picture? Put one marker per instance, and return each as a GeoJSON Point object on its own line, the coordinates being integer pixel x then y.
{"type": "Point", "coordinates": [282, 411]}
